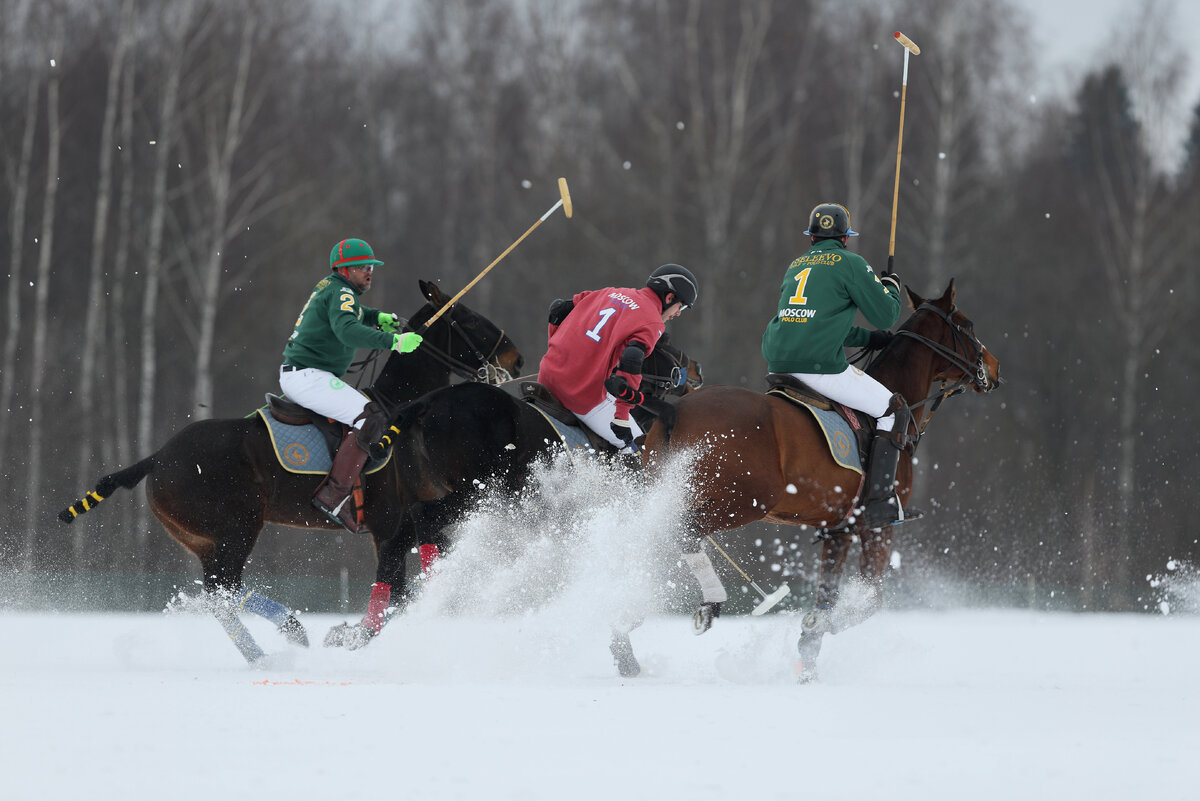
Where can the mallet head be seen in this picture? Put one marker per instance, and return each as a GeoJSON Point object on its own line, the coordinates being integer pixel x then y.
{"type": "Point", "coordinates": [566, 197]}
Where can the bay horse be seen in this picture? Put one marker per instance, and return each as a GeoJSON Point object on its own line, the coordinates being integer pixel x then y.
{"type": "Point", "coordinates": [217, 482]}
{"type": "Point", "coordinates": [764, 458]}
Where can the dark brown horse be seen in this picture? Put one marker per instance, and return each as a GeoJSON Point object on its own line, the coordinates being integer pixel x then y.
{"type": "Point", "coordinates": [454, 441]}
{"type": "Point", "coordinates": [764, 458]}
{"type": "Point", "coordinates": [217, 482]}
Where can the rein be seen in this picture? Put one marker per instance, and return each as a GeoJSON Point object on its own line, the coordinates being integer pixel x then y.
{"type": "Point", "coordinates": [488, 371]}
{"type": "Point", "coordinates": [974, 371]}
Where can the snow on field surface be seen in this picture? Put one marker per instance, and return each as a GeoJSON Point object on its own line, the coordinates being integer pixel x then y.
{"type": "Point", "coordinates": [913, 705]}
{"type": "Point", "coordinates": [497, 684]}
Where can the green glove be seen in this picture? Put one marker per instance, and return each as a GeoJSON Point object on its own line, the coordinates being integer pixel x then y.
{"type": "Point", "coordinates": [406, 343]}
{"type": "Point", "coordinates": [389, 322]}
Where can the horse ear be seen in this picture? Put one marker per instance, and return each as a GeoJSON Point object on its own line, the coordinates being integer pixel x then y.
{"type": "Point", "coordinates": [433, 294]}
{"type": "Point", "coordinates": [914, 300]}
{"type": "Point", "coordinates": [949, 293]}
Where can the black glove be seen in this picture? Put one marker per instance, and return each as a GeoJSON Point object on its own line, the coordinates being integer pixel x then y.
{"type": "Point", "coordinates": [623, 432]}
{"type": "Point", "coordinates": [620, 389]}
{"type": "Point", "coordinates": [892, 279]}
{"type": "Point", "coordinates": [559, 310]}
{"type": "Point", "coordinates": [879, 340]}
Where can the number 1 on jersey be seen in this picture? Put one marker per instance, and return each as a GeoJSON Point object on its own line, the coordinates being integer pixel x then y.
{"type": "Point", "coordinates": [801, 280]}
{"type": "Point", "coordinates": [604, 315]}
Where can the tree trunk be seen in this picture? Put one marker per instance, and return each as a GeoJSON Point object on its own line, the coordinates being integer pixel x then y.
{"type": "Point", "coordinates": [34, 511]}
{"type": "Point", "coordinates": [153, 267]}
{"type": "Point", "coordinates": [16, 233]}
{"type": "Point", "coordinates": [220, 175]}
{"type": "Point", "coordinates": [94, 327]}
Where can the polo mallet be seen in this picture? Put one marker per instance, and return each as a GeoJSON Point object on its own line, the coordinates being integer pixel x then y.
{"type": "Point", "coordinates": [909, 47]}
{"type": "Point", "coordinates": [564, 200]}
{"type": "Point", "coordinates": [768, 601]}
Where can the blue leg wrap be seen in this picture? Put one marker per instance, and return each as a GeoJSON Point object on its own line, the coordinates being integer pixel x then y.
{"type": "Point", "coordinates": [264, 607]}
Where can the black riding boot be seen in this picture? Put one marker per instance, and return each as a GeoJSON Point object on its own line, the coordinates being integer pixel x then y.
{"type": "Point", "coordinates": [333, 496]}
{"type": "Point", "coordinates": [880, 505]}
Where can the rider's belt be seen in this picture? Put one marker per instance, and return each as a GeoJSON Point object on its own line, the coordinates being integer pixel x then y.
{"type": "Point", "coordinates": [287, 368]}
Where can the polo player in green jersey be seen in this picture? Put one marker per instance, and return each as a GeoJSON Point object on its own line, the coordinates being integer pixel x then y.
{"type": "Point", "coordinates": [821, 292]}
{"type": "Point", "coordinates": [331, 326]}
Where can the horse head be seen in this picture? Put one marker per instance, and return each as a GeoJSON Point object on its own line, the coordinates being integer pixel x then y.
{"type": "Point", "coordinates": [669, 371]}
{"type": "Point", "coordinates": [461, 341]}
{"type": "Point", "coordinates": [939, 342]}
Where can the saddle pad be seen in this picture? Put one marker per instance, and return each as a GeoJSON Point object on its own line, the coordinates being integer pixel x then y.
{"type": "Point", "coordinates": [573, 438]}
{"type": "Point", "coordinates": [302, 449]}
{"type": "Point", "coordinates": [838, 434]}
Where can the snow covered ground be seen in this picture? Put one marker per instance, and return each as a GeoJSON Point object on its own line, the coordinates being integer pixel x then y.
{"type": "Point", "coordinates": [497, 684]}
{"type": "Point", "coordinates": [914, 705]}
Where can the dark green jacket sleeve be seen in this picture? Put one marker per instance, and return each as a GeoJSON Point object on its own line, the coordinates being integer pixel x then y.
{"type": "Point", "coordinates": [346, 319]}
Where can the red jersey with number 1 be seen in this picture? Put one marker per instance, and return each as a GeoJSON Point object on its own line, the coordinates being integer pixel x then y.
{"type": "Point", "coordinates": [584, 350]}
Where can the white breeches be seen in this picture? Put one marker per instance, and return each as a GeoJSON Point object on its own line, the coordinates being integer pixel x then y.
{"type": "Point", "coordinates": [324, 393]}
{"type": "Point", "coordinates": [855, 389]}
{"type": "Point", "coordinates": [600, 418]}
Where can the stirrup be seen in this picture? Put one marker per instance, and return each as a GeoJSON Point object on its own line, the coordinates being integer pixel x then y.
{"type": "Point", "coordinates": [332, 514]}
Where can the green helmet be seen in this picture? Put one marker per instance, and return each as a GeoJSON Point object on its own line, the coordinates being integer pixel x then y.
{"type": "Point", "coordinates": [829, 221]}
{"type": "Point", "coordinates": [352, 253]}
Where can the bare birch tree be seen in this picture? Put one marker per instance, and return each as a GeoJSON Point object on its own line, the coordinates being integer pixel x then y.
{"type": "Point", "coordinates": [93, 343]}
{"type": "Point", "coordinates": [40, 349]}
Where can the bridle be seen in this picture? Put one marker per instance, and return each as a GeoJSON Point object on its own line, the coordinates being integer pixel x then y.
{"type": "Point", "coordinates": [678, 377]}
{"type": "Point", "coordinates": [489, 370]}
{"type": "Point", "coordinates": [972, 369]}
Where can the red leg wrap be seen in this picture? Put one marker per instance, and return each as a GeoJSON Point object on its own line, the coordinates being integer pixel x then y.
{"type": "Point", "coordinates": [380, 595]}
{"type": "Point", "coordinates": [429, 554]}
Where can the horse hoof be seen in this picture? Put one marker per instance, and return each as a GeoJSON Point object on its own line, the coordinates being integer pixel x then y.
{"type": "Point", "coordinates": [336, 636]}
{"type": "Point", "coordinates": [358, 636]}
{"type": "Point", "coordinates": [622, 651]}
{"type": "Point", "coordinates": [294, 632]}
{"type": "Point", "coordinates": [804, 673]}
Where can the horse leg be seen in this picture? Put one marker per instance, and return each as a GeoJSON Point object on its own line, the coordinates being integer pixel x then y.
{"type": "Point", "coordinates": [712, 591]}
{"type": "Point", "coordinates": [821, 619]}
{"type": "Point", "coordinates": [622, 649]}
{"type": "Point", "coordinates": [222, 552]}
{"type": "Point", "coordinates": [876, 554]}
{"type": "Point", "coordinates": [390, 550]}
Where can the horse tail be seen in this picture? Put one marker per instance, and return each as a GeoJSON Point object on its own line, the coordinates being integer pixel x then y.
{"type": "Point", "coordinates": [407, 416]}
{"type": "Point", "coordinates": [128, 478]}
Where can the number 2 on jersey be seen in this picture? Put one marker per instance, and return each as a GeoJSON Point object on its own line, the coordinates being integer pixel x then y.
{"type": "Point", "coordinates": [604, 315]}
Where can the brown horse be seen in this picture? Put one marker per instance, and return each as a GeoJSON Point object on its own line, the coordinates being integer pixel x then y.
{"type": "Point", "coordinates": [764, 458]}
{"type": "Point", "coordinates": [217, 482]}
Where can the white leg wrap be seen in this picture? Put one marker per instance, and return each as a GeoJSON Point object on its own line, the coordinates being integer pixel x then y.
{"type": "Point", "coordinates": [710, 582]}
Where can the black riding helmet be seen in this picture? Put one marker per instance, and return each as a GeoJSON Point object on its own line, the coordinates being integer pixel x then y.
{"type": "Point", "coordinates": [673, 278]}
{"type": "Point", "coordinates": [829, 221]}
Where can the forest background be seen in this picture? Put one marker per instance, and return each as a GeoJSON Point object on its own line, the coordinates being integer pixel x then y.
{"type": "Point", "coordinates": [175, 174]}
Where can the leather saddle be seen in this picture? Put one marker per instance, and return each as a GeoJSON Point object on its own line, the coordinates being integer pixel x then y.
{"type": "Point", "coordinates": [542, 399]}
{"type": "Point", "coordinates": [792, 389]}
